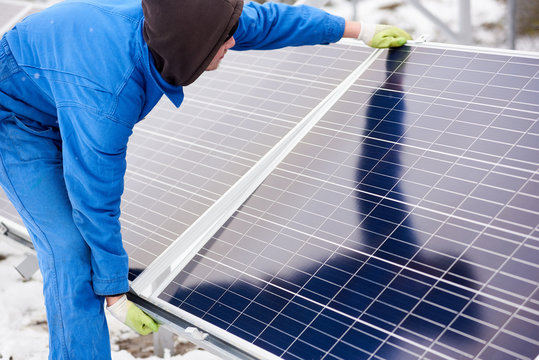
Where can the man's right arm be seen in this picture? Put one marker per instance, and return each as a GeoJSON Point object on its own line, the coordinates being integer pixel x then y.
{"type": "Point", "coordinates": [94, 149]}
{"type": "Point", "coordinates": [276, 25]}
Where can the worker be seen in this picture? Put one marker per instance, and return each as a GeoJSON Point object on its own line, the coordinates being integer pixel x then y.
{"type": "Point", "coordinates": [75, 78]}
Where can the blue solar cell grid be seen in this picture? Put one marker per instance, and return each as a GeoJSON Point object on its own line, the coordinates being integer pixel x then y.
{"type": "Point", "coordinates": [404, 225]}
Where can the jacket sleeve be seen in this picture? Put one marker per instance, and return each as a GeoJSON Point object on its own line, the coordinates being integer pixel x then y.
{"type": "Point", "coordinates": [94, 150]}
{"type": "Point", "coordinates": [276, 25]}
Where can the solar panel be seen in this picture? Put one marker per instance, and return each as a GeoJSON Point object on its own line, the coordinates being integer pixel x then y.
{"type": "Point", "coordinates": [404, 225]}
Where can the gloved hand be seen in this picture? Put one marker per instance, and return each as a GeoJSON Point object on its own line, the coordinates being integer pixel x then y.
{"type": "Point", "coordinates": [131, 315]}
{"type": "Point", "coordinates": [382, 36]}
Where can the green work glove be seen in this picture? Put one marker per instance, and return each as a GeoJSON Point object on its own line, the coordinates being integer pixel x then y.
{"type": "Point", "coordinates": [383, 36]}
{"type": "Point", "coordinates": [131, 315]}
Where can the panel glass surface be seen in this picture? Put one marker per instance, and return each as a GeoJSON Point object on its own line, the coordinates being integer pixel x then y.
{"type": "Point", "coordinates": [403, 226]}
{"type": "Point", "coordinates": [180, 161]}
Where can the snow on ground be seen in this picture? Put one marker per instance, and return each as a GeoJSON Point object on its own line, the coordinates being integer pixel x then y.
{"type": "Point", "coordinates": [23, 334]}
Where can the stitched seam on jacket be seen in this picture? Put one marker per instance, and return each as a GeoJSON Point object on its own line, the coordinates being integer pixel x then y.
{"type": "Point", "coordinates": [68, 104]}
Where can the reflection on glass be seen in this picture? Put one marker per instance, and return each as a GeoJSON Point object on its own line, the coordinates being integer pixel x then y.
{"type": "Point", "coordinates": [430, 312]}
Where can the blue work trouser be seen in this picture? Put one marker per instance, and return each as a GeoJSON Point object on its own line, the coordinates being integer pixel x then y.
{"type": "Point", "coordinates": [31, 175]}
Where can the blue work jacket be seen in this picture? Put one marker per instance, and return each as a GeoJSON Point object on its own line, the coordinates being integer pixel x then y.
{"type": "Point", "coordinates": [98, 80]}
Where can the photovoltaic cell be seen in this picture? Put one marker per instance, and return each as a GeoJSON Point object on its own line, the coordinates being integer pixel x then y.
{"type": "Point", "coordinates": [404, 225]}
{"type": "Point", "coordinates": [181, 162]}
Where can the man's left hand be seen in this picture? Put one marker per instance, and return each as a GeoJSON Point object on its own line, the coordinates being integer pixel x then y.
{"type": "Point", "coordinates": [131, 315]}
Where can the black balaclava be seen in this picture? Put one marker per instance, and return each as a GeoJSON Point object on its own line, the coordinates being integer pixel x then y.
{"type": "Point", "coordinates": [185, 35]}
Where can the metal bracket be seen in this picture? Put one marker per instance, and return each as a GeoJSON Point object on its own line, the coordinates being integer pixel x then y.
{"type": "Point", "coordinates": [15, 233]}
{"type": "Point", "coordinates": [420, 40]}
{"type": "Point", "coordinates": [3, 229]}
{"type": "Point", "coordinates": [163, 343]}
{"type": "Point", "coordinates": [28, 267]}
{"type": "Point", "coordinates": [196, 333]}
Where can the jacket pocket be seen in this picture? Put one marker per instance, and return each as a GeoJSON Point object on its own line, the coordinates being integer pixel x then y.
{"type": "Point", "coordinates": [35, 128]}
{"type": "Point", "coordinates": [33, 141]}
